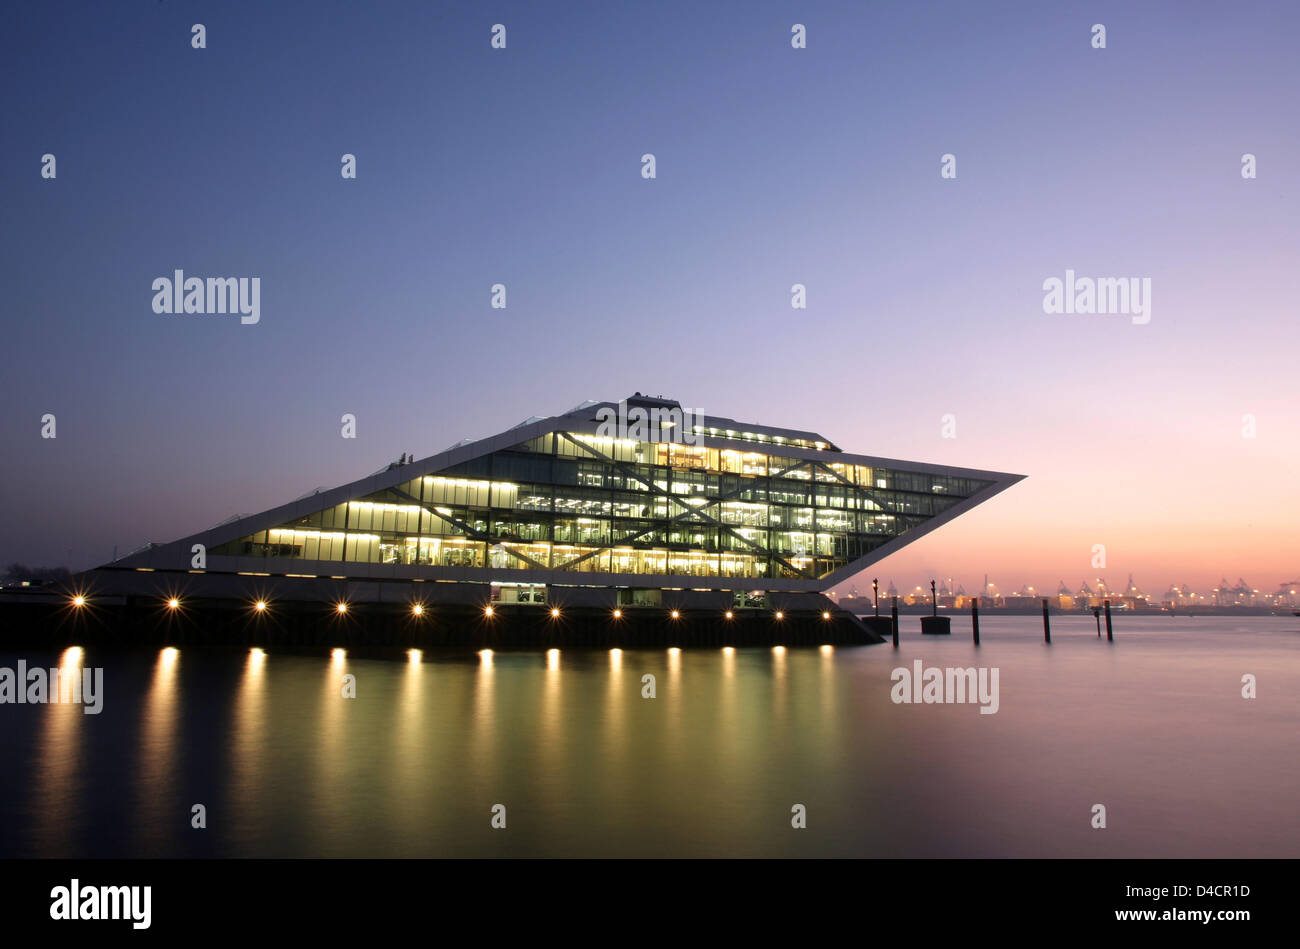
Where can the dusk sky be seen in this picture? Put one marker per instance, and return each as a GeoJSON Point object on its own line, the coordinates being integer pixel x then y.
{"type": "Point", "coordinates": [775, 166]}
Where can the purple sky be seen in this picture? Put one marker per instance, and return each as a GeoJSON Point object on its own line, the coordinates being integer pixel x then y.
{"type": "Point", "coordinates": [774, 166]}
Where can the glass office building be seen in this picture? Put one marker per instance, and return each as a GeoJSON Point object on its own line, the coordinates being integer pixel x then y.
{"type": "Point", "coordinates": [705, 504]}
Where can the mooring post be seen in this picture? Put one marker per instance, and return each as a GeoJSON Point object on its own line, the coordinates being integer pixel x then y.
{"type": "Point", "coordinates": [893, 613]}
{"type": "Point", "coordinates": [1096, 614]}
{"type": "Point", "coordinates": [1110, 633]}
{"type": "Point", "coordinates": [975, 619]}
{"type": "Point", "coordinates": [1047, 626]}
{"type": "Point", "coordinates": [875, 595]}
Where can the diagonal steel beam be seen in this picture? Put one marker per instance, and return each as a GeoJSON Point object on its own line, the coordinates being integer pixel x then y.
{"type": "Point", "coordinates": [655, 489]}
{"type": "Point", "coordinates": [867, 493]}
{"type": "Point", "coordinates": [470, 531]}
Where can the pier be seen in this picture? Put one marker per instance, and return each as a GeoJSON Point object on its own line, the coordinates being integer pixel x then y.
{"type": "Point", "coordinates": [347, 619]}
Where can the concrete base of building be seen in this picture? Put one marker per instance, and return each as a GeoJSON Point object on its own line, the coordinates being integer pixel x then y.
{"type": "Point", "coordinates": [129, 619]}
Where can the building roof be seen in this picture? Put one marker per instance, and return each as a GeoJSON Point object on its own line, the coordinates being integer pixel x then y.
{"type": "Point", "coordinates": [723, 425]}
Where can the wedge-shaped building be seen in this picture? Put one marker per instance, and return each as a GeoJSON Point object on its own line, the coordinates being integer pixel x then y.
{"type": "Point", "coordinates": [685, 502]}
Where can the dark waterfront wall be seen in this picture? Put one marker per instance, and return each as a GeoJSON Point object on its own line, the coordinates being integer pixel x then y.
{"type": "Point", "coordinates": [132, 606]}
{"type": "Point", "coordinates": [130, 621]}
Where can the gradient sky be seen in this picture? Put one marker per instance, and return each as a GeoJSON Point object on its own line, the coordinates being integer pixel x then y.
{"type": "Point", "coordinates": [775, 166]}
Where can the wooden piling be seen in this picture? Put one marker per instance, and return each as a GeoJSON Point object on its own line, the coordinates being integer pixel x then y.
{"type": "Point", "coordinates": [1110, 633]}
{"type": "Point", "coordinates": [893, 613]}
{"type": "Point", "coordinates": [1047, 625]}
{"type": "Point", "coordinates": [975, 620]}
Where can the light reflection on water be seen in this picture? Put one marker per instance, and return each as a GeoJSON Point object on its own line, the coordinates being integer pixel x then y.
{"type": "Point", "coordinates": [157, 793]}
{"type": "Point", "coordinates": [57, 779]}
{"type": "Point", "coordinates": [1154, 727]}
{"type": "Point", "coordinates": [247, 751]}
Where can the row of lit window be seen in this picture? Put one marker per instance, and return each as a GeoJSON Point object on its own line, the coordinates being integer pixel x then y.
{"type": "Point", "coordinates": [760, 437]}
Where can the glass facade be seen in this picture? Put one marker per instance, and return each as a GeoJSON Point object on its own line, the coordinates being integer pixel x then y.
{"type": "Point", "coordinates": [586, 504]}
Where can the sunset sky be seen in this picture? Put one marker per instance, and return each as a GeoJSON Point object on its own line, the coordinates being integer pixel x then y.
{"type": "Point", "coordinates": [775, 166]}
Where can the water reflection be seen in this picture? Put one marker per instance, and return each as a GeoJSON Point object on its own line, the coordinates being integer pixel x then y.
{"type": "Point", "coordinates": [409, 704]}
{"type": "Point", "coordinates": [56, 784]}
{"type": "Point", "coordinates": [828, 682]}
{"type": "Point", "coordinates": [482, 730]}
{"type": "Point", "coordinates": [248, 756]}
{"type": "Point", "coordinates": [616, 699]}
{"type": "Point", "coordinates": [730, 737]}
{"type": "Point", "coordinates": [331, 758]}
{"type": "Point", "coordinates": [779, 660]}
{"type": "Point", "coordinates": [708, 768]}
{"type": "Point", "coordinates": [674, 695]}
{"type": "Point", "coordinates": [408, 790]}
{"type": "Point", "coordinates": [159, 809]}
{"type": "Point", "coordinates": [551, 736]}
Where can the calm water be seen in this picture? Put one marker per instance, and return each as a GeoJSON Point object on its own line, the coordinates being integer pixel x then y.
{"type": "Point", "coordinates": [1154, 727]}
